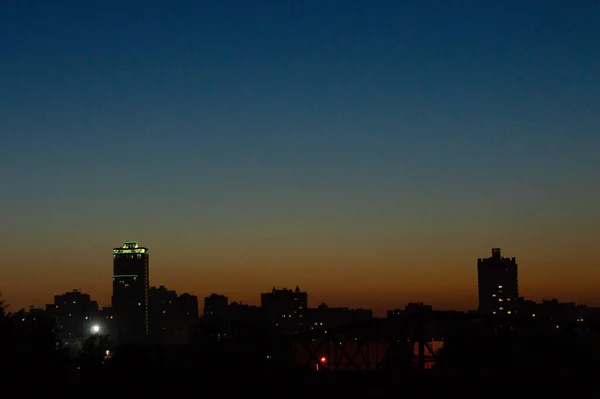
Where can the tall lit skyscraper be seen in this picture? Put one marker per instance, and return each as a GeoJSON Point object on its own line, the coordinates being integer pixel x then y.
{"type": "Point", "coordinates": [498, 284]}
{"type": "Point", "coordinates": [130, 292]}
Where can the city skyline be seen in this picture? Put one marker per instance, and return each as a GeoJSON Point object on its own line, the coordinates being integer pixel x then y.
{"type": "Point", "coordinates": [369, 153]}
{"type": "Point", "coordinates": [314, 298]}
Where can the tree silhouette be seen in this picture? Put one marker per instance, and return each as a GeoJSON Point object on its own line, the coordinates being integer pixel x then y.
{"type": "Point", "coordinates": [2, 305]}
{"type": "Point", "coordinates": [28, 342]}
{"type": "Point", "coordinates": [93, 352]}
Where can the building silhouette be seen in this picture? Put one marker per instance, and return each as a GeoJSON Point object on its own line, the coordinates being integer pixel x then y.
{"type": "Point", "coordinates": [216, 305]}
{"type": "Point", "coordinates": [75, 317]}
{"type": "Point", "coordinates": [105, 319]}
{"type": "Point", "coordinates": [284, 309]}
{"type": "Point", "coordinates": [162, 308]}
{"type": "Point", "coordinates": [326, 318]}
{"type": "Point", "coordinates": [498, 284]}
{"type": "Point", "coordinates": [172, 317]}
{"type": "Point", "coordinates": [217, 315]}
{"type": "Point", "coordinates": [242, 315]}
{"type": "Point", "coordinates": [410, 308]}
{"type": "Point", "coordinates": [188, 306]}
{"type": "Point", "coordinates": [131, 282]}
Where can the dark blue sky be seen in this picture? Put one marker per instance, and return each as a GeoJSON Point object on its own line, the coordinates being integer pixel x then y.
{"type": "Point", "coordinates": [262, 127]}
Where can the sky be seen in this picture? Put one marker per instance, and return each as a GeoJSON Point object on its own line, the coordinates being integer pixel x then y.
{"type": "Point", "coordinates": [367, 151]}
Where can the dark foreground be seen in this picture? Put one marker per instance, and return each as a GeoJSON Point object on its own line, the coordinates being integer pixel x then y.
{"type": "Point", "coordinates": [236, 383]}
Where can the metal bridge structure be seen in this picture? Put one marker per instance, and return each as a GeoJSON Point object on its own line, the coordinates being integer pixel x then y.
{"type": "Point", "coordinates": [407, 341]}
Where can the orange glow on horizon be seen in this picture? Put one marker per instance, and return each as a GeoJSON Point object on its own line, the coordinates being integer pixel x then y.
{"type": "Point", "coordinates": [444, 279]}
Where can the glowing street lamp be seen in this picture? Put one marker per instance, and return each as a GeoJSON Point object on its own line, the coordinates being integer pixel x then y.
{"type": "Point", "coordinates": [323, 361]}
{"type": "Point", "coordinates": [95, 329]}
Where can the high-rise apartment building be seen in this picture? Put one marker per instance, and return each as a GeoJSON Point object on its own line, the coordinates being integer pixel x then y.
{"type": "Point", "coordinates": [131, 283]}
{"type": "Point", "coordinates": [75, 317]}
{"type": "Point", "coordinates": [285, 309]}
{"type": "Point", "coordinates": [216, 315]}
{"type": "Point", "coordinates": [173, 318]}
{"type": "Point", "coordinates": [498, 284]}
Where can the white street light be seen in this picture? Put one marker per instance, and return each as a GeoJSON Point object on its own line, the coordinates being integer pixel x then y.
{"type": "Point", "coordinates": [95, 329]}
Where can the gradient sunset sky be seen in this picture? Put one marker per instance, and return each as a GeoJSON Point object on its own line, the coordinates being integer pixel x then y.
{"type": "Point", "coordinates": [367, 151]}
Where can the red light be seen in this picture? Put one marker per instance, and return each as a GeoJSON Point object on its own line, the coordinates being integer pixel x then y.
{"type": "Point", "coordinates": [323, 360]}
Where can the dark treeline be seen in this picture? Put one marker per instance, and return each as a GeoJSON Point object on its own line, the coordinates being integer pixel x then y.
{"type": "Point", "coordinates": [29, 343]}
